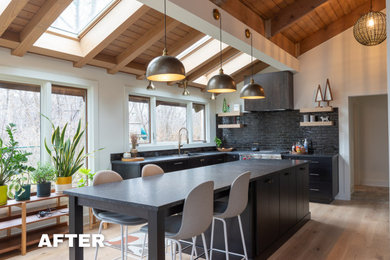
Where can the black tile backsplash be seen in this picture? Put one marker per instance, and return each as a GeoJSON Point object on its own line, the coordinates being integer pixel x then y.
{"type": "Point", "coordinates": [279, 130]}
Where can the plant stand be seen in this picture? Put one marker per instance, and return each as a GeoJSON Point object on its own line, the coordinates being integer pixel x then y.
{"type": "Point", "coordinates": [20, 221]}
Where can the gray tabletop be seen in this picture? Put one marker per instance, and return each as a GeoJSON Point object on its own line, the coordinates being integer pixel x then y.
{"type": "Point", "coordinates": [172, 188]}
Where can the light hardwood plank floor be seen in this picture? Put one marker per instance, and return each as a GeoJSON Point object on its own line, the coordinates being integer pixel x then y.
{"type": "Point", "coordinates": [350, 230]}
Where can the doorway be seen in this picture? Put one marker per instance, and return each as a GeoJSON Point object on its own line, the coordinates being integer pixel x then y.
{"type": "Point", "coordinates": [370, 155]}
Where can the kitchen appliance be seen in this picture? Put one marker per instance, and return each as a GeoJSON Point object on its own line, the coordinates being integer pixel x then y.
{"type": "Point", "coordinates": [262, 154]}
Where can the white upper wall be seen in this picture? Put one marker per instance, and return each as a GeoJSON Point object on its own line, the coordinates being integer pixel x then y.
{"type": "Point", "coordinates": [110, 90]}
{"type": "Point", "coordinates": [353, 70]}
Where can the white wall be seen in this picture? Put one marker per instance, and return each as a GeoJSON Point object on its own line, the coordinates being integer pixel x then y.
{"type": "Point", "coordinates": [371, 155]}
{"type": "Point", "coordinates": [109, 108]}
{"type": "Point", "coordinates": [353, 70]}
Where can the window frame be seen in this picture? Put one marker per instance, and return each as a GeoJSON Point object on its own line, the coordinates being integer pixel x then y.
{"type": "Point", "coordinates": [150, 108]}
{"type": "Point", "coordinates": [154, 145]}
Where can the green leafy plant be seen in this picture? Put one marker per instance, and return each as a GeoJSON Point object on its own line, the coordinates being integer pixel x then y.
{"type": "Point", "coordinates": [87, 177]}
{"type": "Point", "coordinates": [12, 160]}
{"type": "Point", "coordinates": [44, 173]}
{"type": "Point", "coordinates": [63, 151]}
{"type": "Point", "coordinates": [16, 184]}
{"type": "Point", "coordinates": [218, 142]}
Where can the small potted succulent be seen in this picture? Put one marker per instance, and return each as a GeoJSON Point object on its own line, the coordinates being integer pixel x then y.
{"type": "Point", "coordinates": [19, 187]}
{"type": "Point", "coordinates": [43, 176]}
{"type": "Point", "coordinates": [218, 143]}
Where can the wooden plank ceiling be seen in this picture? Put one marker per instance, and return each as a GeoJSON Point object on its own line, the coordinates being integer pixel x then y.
{"type": "Point", "coordinates": [298, 25]}
{"type": "Point", "coordinates": [134, 40]}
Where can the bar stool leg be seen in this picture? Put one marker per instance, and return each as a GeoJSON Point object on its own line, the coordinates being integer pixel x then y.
{"type": "Point", "coordinates": [180, 252]}
{"type": "Point", "coordinates": [193, 248]}
{"type": "Point", "coordinates": [242, 237]}
{"type": "Point", "coordinates": [125, 245]}
{"type": "Point", "coordinates": [226, 239]}
{"type": "Point", "coordinates": [122, 251]}
{"type": "Point", "coordinates": [97, 246]}
{"type": "Point", "coordinates": [205, 247]}
{"type": "Point", "coordinates": [143, 245]}
{"type": "Point", "coordinates": [212, 239]}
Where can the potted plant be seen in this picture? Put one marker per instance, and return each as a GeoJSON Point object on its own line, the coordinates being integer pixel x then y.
{"type": "Point", "coordinates": [43, 176]}
{"type": "Point", "coordinates": [12, 162]}
{"type": "Point", "coordinates": [218, 143]}
{"type": "Point", "coordinates": [67, 155]}
{"type": "Point", "coordinates": [86, 178]}
{"type": "Point", "coordinates": [20, 187]}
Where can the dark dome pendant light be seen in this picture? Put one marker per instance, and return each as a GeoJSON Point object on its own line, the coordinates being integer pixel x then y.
{"type": "Point", "coordinates": [220, 83]}
{"type": "Point", "coordinates": [251, 90]}
{"type": "Point", "coordinates": [165, 68]}
{"type": "Point", "coordinates": [370, 29]}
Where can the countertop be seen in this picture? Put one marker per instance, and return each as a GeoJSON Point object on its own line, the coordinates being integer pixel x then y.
{"type": "Point", "coordinates": [171, 188]}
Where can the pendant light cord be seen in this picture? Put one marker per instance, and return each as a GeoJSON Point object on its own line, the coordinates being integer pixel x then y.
{"type": "Point", "coordinates": [220, 38]}
{"type": "Point", "coordinates": [370, 5]}
{"type": "Point", "coordinates": [165, 25]}
{"type": "Point", "coordinates": [252, 70]}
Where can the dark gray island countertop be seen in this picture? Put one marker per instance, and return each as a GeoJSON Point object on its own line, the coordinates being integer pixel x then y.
{"type": "Point", "coordinates": [172, 188]}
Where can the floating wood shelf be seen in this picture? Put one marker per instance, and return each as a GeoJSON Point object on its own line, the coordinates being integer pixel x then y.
{"type": "Point", "coordinates": [330, 123]}
{"type": "Point", "coordinates": [316, 109]}
{"type": "Point", "coordinates": [33, 237]}
{"type": "Point", "coordinates": [234, 113]}
{"type": "Point", "coordinates": [230, 126]}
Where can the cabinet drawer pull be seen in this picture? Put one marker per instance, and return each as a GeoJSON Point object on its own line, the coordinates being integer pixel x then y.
{"type": "Point", "coordinates": [202, 160]}
{"type": "Point", "coordinates": [314, 162]}
{"type": "Point", "coordinates": [302, 168]}
{"type": "Point", "coordinates": [177, 163]}
{"type": "Point", "coordinates": [314, 174]}
{"type": "Point", "coordinates": [286, 173]}
{"type": "Point", "coordinates": [314, 189]}
{"type": "Point", "coordinates": [269, 181]}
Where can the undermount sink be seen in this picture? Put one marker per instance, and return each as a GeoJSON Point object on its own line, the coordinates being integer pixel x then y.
{"type": "Point", "coordinates": [189, 154]}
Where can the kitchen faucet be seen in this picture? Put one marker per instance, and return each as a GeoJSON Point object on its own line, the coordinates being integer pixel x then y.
{"type": "Point", "coordinates": [180, 145]}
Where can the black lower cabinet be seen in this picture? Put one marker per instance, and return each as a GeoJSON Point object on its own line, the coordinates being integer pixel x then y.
{"type": "Point", "coordinates": [267, 195]}
{"type": "Point", "coordinates": [302, 191]}
{"type": "Point", "coordinates": [288, 200]}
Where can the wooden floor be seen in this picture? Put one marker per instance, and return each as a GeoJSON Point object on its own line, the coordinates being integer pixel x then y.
{"type": "Point", "coordinates": [356, 229]}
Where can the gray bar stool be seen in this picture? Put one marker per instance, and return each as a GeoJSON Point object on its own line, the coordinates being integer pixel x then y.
{"type": "Point", "coordinates": [195, 220]}
{"type": "Point", "coordinates": [151, 170]}
{"type": "Point", "coordinates": [123, 220]}
{"type": "Point", "coordinates": [238, 200]}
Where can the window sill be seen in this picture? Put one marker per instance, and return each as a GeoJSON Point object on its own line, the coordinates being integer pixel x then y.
{"type": "Point", "coordinates": [160, 147]}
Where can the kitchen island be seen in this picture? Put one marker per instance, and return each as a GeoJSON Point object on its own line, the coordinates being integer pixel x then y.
{"type": "Point", "coordinates": [278, 203]}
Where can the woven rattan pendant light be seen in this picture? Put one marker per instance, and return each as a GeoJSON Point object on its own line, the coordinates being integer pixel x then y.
{"type": "Point", "coordinates": [370, 29]}
{"type": "Point", "coordinates": [220, 83]}
{"type": "Point", "coordinates": [251, 90]}
{"type": "Point", "coordinates": [165, 68]}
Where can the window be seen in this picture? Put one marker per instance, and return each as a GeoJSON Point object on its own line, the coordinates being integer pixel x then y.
{"type": "Point", "coordinates": [20, 104]}
{"type": "Point", "coordinates": [198, 122]}
{"type": "Point", "coordinates": [170, 117]}
{"type": "Point", "coordinates": [139, 117]}
{"type": "Point", "coordinates": [79, 14]}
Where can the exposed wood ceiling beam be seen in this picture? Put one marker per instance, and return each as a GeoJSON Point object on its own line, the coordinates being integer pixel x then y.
{"type": "Point", "coordinates": [142, 44]}
{"type": "Point", "coordinates": [46, 15]}
{"type": "Point", "coordinates": [8, 12]}
{"type": "Point", "coordinates": [288, 15]}
{"type": "Point", "coordinates": [192, 37]}
{"type": "Point", "coordinates": [211, 63]}
{"type": "Point", "coordinates": [254, 21]}
{"type": "Point", "coordinates": [109, 28]}
{"type": "Point", "coordinates": [339, 26]}
{"type": "Point", "coordinates": [240, 74]}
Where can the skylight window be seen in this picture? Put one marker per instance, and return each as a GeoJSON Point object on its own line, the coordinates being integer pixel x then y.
{"type": "Point", "coordinates": [193, 46]}
{"type": "Point", "coordinates": [79, 15]}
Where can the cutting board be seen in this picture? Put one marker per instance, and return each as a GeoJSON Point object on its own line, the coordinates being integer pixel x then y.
{"type": "Point", "coordinates": [136, 159]}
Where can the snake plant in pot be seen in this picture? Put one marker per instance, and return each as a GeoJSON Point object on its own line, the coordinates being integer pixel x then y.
{"type": "Point", "coordinates": [67, 155]}
{"type": "Point", "coordinates": [12, 163]}
{"type": "Point", "coordinates": [42, 176]}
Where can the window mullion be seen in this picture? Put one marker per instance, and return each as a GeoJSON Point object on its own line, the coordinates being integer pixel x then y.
{"type": "Point", "coordinates": [189, 122]}
{"type": "Point", "coordinates": [153, 120]}
{"type": "Point", "coordinates": [46, 127]}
